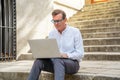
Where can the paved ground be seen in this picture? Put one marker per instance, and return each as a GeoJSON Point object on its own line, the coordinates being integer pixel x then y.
{"type": "Point", "coordinates": [99, 68]}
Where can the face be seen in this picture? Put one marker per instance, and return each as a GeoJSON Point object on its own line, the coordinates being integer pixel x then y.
{"type": "Point", "coordinates": [59, 23]}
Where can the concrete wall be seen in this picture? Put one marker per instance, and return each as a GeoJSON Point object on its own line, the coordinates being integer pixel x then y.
{"type": "Point", "coordinates": [33, 21]}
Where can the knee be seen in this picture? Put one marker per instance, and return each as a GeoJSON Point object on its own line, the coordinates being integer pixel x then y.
{"type": "Point", "coordinates": [57, 61]}
{"type": "Point", "coordinates": [38, 63]}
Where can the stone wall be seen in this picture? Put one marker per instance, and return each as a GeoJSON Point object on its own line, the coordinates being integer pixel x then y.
{"type": "Point", "coordinates": [33, 21]}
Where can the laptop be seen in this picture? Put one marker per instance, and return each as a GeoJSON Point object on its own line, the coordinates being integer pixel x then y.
{"type": "Point", "coordinates": [44, 48]}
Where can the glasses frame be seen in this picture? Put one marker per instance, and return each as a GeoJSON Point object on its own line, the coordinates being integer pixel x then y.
{"type": "Point", "coordinates": [56, 21]}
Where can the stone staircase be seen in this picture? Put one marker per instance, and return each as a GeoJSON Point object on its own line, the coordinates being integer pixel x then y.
{"type": "Point", "coordinates": [100, 27]}
{"type": "Point", "coordinates": [98, 11]}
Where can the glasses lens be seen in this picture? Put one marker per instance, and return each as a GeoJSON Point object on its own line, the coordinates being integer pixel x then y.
{"type": "Point", "coordinates": [56, 21]}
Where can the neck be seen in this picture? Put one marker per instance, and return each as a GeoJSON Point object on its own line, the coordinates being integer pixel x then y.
{"type": "Point", "coordinates": [60, 31]}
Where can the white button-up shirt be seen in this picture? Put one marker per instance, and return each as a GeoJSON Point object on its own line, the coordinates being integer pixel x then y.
{"type": "Point", "coordinates": [69, 42]}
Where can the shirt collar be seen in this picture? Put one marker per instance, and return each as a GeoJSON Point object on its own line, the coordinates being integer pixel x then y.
{"type": "Point", "coordinates": [64, 30]}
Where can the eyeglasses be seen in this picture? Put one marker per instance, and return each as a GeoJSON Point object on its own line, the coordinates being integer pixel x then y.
{"type": "Point", "coordinates": [56, 21]}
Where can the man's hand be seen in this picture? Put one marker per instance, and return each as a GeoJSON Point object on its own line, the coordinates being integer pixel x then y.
{"type": "Point", "coordinates": [64, 55]}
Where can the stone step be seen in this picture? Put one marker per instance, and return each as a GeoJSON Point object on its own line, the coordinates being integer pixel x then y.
{"type": "Point", "coordinates": [105, 10]}
{"type": "Point", "coordinates": [92, 16]}
{"type": "Point", "coordinates": [83, 15]}
{"type": "Point", "coordinates": [102, 41]}
{"type": "Point", "coordinates": [104, 22]}
{"type": "Point", "coordinates": [89, 70]}
{"type": "Point", "coordinates": [102, 48]}
{"type": "Point", "coordinates": [101, 35]}
{"type": "Point", "coordinates": [25, 56]}
{"type": "Point", "coordinates": [93, 25]}
{"type": "Point", "coordinates": [111, 56]}
{"type": "Point", "coordinates": [99, 12]}
{"type": "Point", "coordinates": [100, 29]}
{"type": "Point", "coordinates": [99, 17]}
{"type": "Point", "coordinates": [108, 56]}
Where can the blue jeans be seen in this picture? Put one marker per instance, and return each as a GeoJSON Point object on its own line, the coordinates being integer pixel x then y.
{"type": "Point", "coordinates": [58, 66]}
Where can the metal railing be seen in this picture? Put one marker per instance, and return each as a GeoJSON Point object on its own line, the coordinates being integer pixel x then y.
{"type": "Point", "coordinates": [7, 43]}
{"type": "Point", "coordinates": [7, 30]}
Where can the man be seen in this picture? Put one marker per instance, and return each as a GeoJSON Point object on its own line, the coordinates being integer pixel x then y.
{"type": "Point", "coordinates": [70, 45]}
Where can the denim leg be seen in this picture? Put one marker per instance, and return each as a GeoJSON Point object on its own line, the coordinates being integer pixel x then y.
{"type": "Point", "coordinates": [64, 66]}
{"type": "Point", "coordinates": [71, 66]}
{"type": "Point", "coordinates": [59, 69]}
{"type": "Point", "coordinates": [36, 70]}
{"type": "Point", "coordinates": [40, 64]}
{"type": "Point", "coordinates": [57, 66]}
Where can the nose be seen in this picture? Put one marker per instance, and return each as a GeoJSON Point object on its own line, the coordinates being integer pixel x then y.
{"type": "Point", "coordinates": [56, 23]}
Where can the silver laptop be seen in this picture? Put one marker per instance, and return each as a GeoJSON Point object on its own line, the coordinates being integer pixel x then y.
{"type": "Point", "coordinates": [44, 48]}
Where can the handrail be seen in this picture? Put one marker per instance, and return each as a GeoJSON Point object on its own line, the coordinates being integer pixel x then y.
{"type": "Point", "coordinates": [66, 6]}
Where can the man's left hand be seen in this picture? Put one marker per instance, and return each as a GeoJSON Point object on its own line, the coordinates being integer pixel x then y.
{"type": "Point", "coordinates": [64, 55]}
